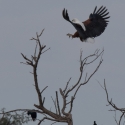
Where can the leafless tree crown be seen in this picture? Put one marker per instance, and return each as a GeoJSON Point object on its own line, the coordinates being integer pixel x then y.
{"type": "Point", "coordinates": [115, 108]}
{"type": "Point", "coordinates": [60, 114]}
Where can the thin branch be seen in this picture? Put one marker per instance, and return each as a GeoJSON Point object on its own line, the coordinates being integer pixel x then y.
{"type": "Point", "coordinates": [82, 63]}
{"type": "Point", "coordinates": [43, 100]}
{"type": "Point", "coordinates": [66, 86]}
{"type": "Point", "coordinates": [110, 102]}
{"type": "Point", "coordinates": [57, 120]}
{"type": "Point", "coordinates": [64, 103]}
{"type": "Point", "coordinates": [34, 110]}
{"type": "Point", "coordinates": [28, 60]}
{"type": "Point", "coordinates": [121, 117]}
{"type": "Point", "coordinates": [58, 103]}
{"type": "Point", "coordinates": [71, 104]}
{"type": "Point", "coordinates": [41, 33]}
{"type": "Point", "coordinates": [115, 118]}
{"type": "Point", "coordinates": [96, 54]}
{"type": "Point", "coordinates": [35, 49]}
{"type": "Point", "coordinates": [54, 104]}
{"type": "Point", "coordinates": [75, 84]}
{"type": "Point", "coordinates": [43, 89]}
{"type": "Point", "coordinates": [33, 39]}
{"type": "Point", "coordinates": [122, 110]}
{"type": "Point", "coordinates": [41, 120]}
{"type": "Point", "coordinates": [88, 78]}
{"type": "Point", "coordinates": [100, 84]}
{"type": "Point", "coordinates": [45, 50]}
{"type": "Point", "coordinates": [24, 63]}
{"type": "Point", "coordinates": [38, 40]}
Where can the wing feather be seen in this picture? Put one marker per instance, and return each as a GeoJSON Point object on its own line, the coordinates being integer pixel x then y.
{"type": "Point", "coordinates": [101, 13]}
{"type": "Point", "coordinates": [77, 26]}
{"type": "Point", "coordinates": [106, 17]}
{"type": "Point", "coordinates": [65, 15]}
{"type": "Point", "coordinates": [99, 10]}
{"type": "Point", "coordinates": [97, 22]}
{"type": "Point", "coordinates": [105, 14]}
{"type": "Point", "coordinates": [94, 10]}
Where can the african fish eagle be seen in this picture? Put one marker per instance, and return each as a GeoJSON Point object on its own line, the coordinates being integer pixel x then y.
{"type": "Point", "coordinates": [90, 28]}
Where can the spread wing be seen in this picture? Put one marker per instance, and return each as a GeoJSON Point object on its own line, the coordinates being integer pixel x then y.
{"type": "Point", "coordinates": [77, 26]}
{"type": "Point", "coordinates": [97, 22]}
{"type": "Point", "coordinates": [65, 15]}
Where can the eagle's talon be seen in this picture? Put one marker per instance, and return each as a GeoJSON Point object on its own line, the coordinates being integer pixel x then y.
{"type": "Point", "coordinates": [70, 35]}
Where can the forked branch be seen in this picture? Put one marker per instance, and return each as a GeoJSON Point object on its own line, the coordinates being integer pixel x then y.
{"type": "Point", "coordinates": [115, 108]}
{"type": "Point", "coordinates": [60, 114]}
{"type": "Point", "coordinates": [83, 63]}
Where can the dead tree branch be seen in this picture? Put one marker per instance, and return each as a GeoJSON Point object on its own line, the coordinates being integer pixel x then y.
{"type": "Point", "coordinates": [60, 114]}
{"type": "Point", "coordinates": [110, 103]}
{"type": "Point", "coordinates": [58, 103]}
{"type": "Point", "coordinates": [43, 89]}
{"type": "Point", "coordinates": [83, 62]}
{"type": "Point", "coordinates": [54, 104]}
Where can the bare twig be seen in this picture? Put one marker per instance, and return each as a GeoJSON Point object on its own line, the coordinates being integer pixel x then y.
{"type": "Point", "coordinates": [121, 117]}
{"type": "Point", "coordinates": [122, 110]}
{"type": "Point", "coordinates": [66, 86]}
{"type": "Point", "coordinates": [43, 100]}
{"type": "Point", "coordinates": [54, 104]}
{"type": "Point", "coordinates": [64, 103]}
{"type": "Point", "coordinates": [71, 104]}
{"type": "Point", "coordinates": [24, 63]}
{"type": "Point", "coordinates": [57, 120]}
{"type": "Point", "coordinates": [82, 64]}
{"type": "Point", "coordinates": [100, 84]}
{"type": "Point", "coordinates": [86, 81]}
{"type": "Point", "coordinates": [45, 50]}
{"type": "Point", "coordinates": [43, 89]}
{"type": "Point", "coordinates": [58, 103]}
{"type": "Point", "coordinates": [115, 118]}
{"type": "Point", "coordinates": [41, 33]}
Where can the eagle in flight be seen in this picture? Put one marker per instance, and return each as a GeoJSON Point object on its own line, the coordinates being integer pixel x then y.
{"type": "Point", "coordinates": [90, 28]}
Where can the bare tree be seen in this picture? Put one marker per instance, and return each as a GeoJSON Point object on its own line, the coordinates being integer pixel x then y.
{"type": "Point", "coordinates": [115, 108]}
{"type": "Point", "coordinates": [61, 114]}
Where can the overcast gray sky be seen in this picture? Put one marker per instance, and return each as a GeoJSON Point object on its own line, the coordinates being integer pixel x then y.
{"type": "Point", "coordinates": [20, 20]}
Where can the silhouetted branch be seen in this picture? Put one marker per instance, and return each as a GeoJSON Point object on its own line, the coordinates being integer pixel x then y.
{"type": "Point", "coordinates": [66, 86]}
{"type": "Point", "coordinates": [71, 104]}
{"type": "Point", "coordinates": [25, 110]}
{"type": "Point", "coordinates": [50, 120]}
{"type": "Point", "coordinates": [58, 103]}
{"type": "Point", "coordinates": [61, 115]}
{"type": "Point", "coordinates": [45, 50]}
{"type": "Point", "coordinates": [64, 103]}
{"type": "Point", "coordinates": [82, 64]}
{"type": "Point", "coordinates": [54, 104]}
{"type": "Point", "coordinates": [122, 110]}
{"type": "Point", "coordinates": [44, 89]}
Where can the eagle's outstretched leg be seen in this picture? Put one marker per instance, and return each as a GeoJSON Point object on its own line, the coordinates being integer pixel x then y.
{"type": "Point", "coordinates": [74, 35]}
{"type": "Point", "coordinates": [70, 35]}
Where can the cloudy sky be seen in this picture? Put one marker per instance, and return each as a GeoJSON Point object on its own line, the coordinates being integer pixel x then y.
{"type": "Point", "coordinates": [20, 20]}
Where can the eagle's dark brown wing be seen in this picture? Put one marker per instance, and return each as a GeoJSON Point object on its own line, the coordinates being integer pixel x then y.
{"type": "Point", "coordinates": [97, 22]}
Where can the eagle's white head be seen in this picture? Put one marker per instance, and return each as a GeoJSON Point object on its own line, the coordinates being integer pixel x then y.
{"type": "Point", "coordinates": [76, 21]}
